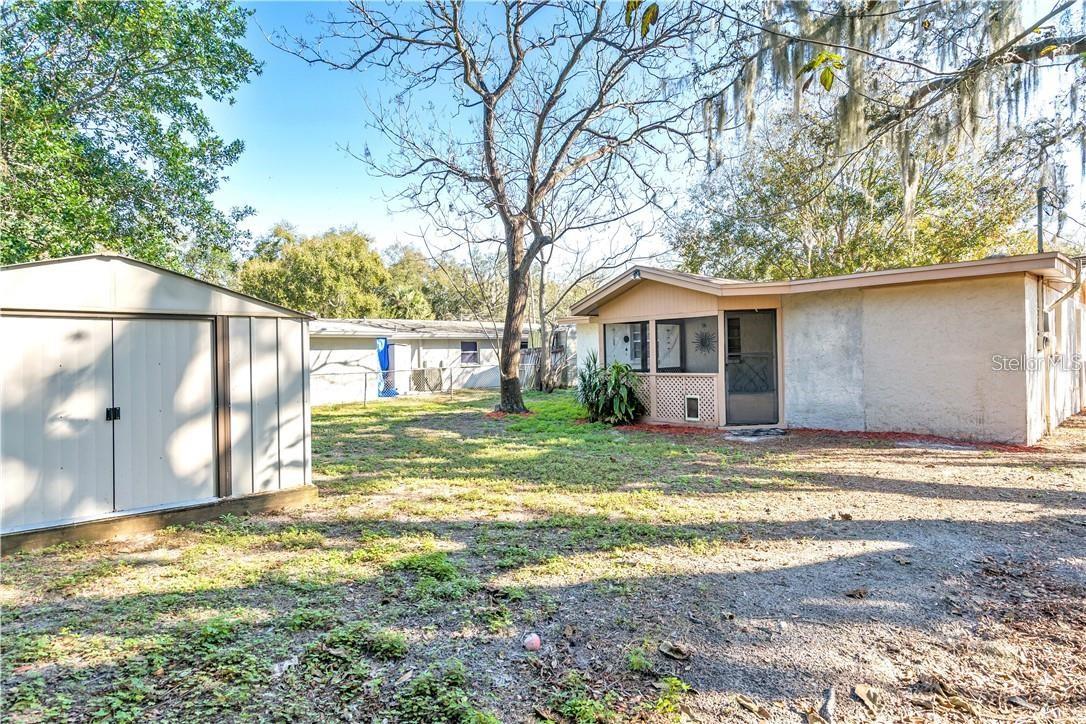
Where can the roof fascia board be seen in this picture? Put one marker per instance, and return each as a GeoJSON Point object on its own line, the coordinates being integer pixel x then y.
{"type": "Point", "coordinates": [1043, 264]}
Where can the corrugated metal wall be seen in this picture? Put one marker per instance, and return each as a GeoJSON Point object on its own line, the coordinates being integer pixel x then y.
{"type": "Point", "coordinates": [56, 450]}
{"type": "Point", "coordinates": [164, 384]}
{"type": "Point", "coordinates": [63, 461]}
{"type": "Point", "coordinates": [268, 421]}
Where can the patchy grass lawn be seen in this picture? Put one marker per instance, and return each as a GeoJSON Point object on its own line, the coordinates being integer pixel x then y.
{"type": "Point", "coordinates": [950, 580]}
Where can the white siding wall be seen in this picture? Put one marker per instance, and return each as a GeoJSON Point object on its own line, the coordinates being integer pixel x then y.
{"type": "Point", "coordinates": [265, 384]}
{"type": "Point", "coordinates": [269, 415]}
{"type": "Point", "coordinates": [292, 456]}
{"type": "Point", "coordinates": [241, 406]}
{"type": "Point", "coordinates": [338, 366]}
{"type": "Point", "coordinates": [1062, 358]}
{"type": "Point", "coordinates": [588, 342]}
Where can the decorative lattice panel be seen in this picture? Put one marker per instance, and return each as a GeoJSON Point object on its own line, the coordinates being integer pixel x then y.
{"type": "Point", "coordinates": [671, 392]}
{"type": "Point", "coordinates": [642, 391]}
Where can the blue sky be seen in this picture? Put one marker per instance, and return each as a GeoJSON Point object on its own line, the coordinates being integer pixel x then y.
{"type": "Point", "coordinates": [294, 118]}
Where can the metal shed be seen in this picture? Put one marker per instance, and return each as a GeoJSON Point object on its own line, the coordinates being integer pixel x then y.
{"type": "Point", "coordinates": [128, 389]}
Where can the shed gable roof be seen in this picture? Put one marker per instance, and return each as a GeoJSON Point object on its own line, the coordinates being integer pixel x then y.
{"type": "Point", "coordinates": [111, 283]}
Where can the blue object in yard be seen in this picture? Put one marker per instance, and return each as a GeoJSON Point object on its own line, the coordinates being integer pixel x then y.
{"type": "Point", "coordinates": [386, 384]}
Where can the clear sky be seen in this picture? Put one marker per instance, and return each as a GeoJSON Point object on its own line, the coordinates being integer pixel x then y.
{"type": "Point", "coordinates": [295, 120]}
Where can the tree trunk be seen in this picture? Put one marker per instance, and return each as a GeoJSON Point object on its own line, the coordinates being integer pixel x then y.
{"type": "Point", "coordinates": [543, 365]}
{"type": "Point", "coordinates": [516, 308]}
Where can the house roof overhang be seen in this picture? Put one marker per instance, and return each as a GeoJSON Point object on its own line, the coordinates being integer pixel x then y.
{"type": "Point", "coordinates": [1050, 265]}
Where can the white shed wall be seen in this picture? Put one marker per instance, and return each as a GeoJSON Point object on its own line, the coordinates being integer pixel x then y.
{"type": "Point", "coordinates": [164, 442]}
{"type": "Point", "coordinates": [56, 451]}
{"type": "Point", "coordinates": [241, 406]}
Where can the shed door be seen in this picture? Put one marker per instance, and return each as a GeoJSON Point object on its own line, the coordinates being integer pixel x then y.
{"type": "Point", "coordinates": [56, 447]}
{"type": "Point", "coordinates": [165, 388]}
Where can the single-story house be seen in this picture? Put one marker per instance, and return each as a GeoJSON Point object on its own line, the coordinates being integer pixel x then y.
{"type": "Point", "coordinates": [130, 393]}
{"type": "Point", "coordinates": [423, 355]}
{"type": "Point", "coordinates": [986, 350]}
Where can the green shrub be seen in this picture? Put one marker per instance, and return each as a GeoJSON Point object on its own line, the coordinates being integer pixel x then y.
{"type": "Point", "coordinates": [609, 393]}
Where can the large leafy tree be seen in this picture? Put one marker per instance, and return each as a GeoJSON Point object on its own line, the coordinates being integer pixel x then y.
{"type": "Point", "coordinates": [104, 141]}
{"type": "Point", "coordinates": [757, 219]}
{"type": "Point", "coordinates": [335, 274]}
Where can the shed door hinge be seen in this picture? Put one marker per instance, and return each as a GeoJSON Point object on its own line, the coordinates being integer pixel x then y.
{"type": "Point", "coordinates": [113, 413]}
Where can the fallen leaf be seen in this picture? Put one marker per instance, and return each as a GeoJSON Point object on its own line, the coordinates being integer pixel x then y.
{"type": "Point", "coordinates": [868, 695]}
{"type": "Point", "coordinates": [813, 717]}
{"type": "Point", "coordinates": [405, 677]}
{"type": "Point", "coordinates": [860, 592]}
{"type": "Point", "coordinates": [751, 706]}
{"type": "Point", "coordinates": [843, 515]}
{"type": "Point", "coordinates": [903, 560]}
{"type": "Point", "coordinates": [675, 650]}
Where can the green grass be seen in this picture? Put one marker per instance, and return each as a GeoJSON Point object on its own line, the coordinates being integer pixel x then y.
{"type": "Point", "coordinates": [440, 533]}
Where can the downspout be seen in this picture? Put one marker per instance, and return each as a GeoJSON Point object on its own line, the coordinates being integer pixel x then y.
{"type": "Point", "coordinates": [1075, 286]}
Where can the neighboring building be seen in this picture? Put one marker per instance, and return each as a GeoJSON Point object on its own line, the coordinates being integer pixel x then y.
{"type": "Point", "coordinates": [127, 389]}
{"type": "Point", "coordinates": [423, 356]}
{"type": "Point", "coordinates": [986, 350]}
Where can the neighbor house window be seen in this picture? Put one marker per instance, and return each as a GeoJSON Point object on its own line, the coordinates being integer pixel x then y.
{"type": "Point", "coordinates": [688, 345]}
{"type": "Point", "coordinates": [558, 342]}
{"type": "Point", "coordinates": [627, 343]}
{"type": "Point", "coordinates": [469, 353]}
{"type": "Point", "coordinates": [524, 343]}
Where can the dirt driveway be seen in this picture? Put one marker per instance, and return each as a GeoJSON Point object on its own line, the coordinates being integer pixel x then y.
{"type": "Point", "coordinates": [668, 576]}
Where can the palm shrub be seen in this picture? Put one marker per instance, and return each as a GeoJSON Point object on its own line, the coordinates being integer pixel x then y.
{"type": "Point", "coordinates": [608, 393]}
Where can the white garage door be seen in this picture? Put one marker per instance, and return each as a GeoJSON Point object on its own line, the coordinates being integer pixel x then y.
{"type": "Point", "coordinates": [63, 460]}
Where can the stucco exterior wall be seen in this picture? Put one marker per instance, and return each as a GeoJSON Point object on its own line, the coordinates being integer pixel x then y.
{"type": "Point", "coordinates": [928, 359]}
{"type": "Point", "coordinates": [823, 359]}
{"type": "Point", "coordinates": [916, 358]}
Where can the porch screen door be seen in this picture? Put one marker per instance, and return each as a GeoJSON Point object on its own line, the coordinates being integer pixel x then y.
{"type": "Point", "coordinates": [750, 368]}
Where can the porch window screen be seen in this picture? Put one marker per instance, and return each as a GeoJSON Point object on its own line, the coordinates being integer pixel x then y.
{"type": "Point", "coordinates": [688, 345]}
{"type": "Point", "coordinates": [627, 343]}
